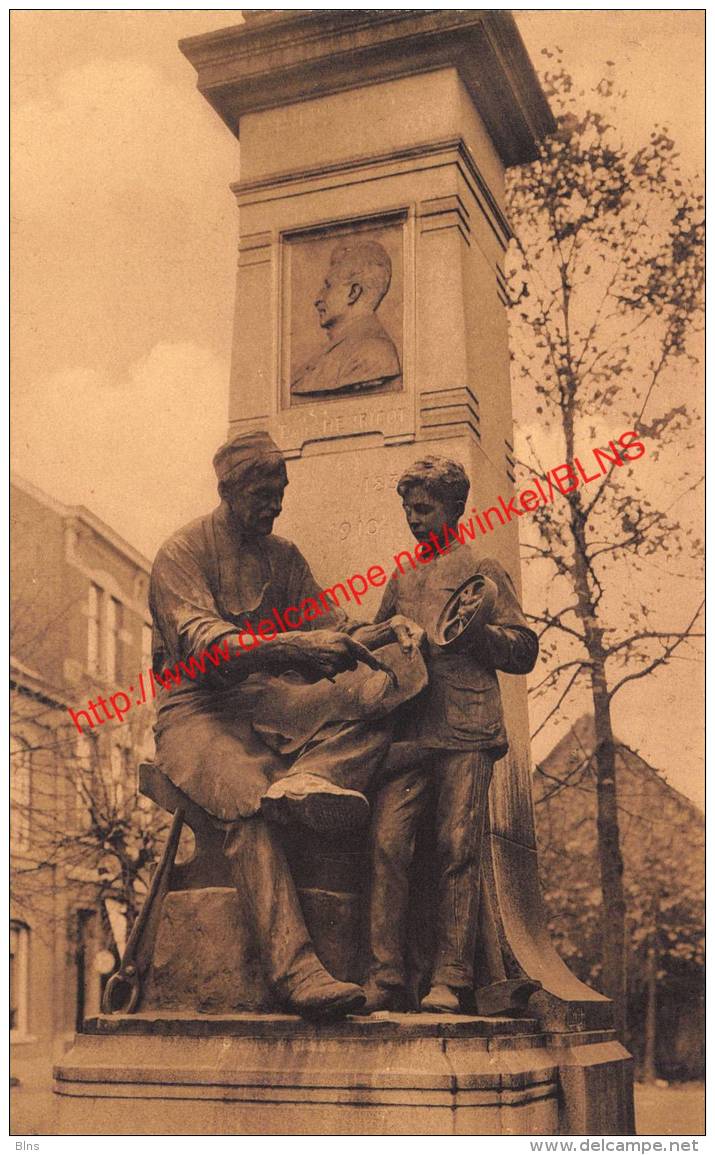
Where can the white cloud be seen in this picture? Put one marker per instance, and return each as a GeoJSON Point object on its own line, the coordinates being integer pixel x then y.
{"type": "Point", "coordinates": [108, 128]}
{"type": "Point", "coordinates": [136, 451]}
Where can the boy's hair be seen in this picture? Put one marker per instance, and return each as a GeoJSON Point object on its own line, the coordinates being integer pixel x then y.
{"type": "Point", "coordinates": [444, 479]}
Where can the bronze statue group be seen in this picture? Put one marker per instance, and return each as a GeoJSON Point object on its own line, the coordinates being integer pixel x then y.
{"type": "Point", "coordinates": [300, 731]}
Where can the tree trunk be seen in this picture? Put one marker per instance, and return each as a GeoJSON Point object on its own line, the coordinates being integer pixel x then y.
{"type": "Point", "coordinates": [649, 1071]}
{"type": "Point", "coordinates": [609, 853]}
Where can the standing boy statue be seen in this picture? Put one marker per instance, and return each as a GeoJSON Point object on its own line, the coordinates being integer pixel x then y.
{"type": "Point", "coordinates": [459, 719]}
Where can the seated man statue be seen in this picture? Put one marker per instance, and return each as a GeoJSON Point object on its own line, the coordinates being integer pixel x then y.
{"type": "Point", "coordinates": [459, 719]}
{"type": "Point", "coordinates": [243, 740]}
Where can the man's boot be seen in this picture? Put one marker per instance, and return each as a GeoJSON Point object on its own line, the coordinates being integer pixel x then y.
{"type": "Point", "coordinates": [290, 964]}
{"type": "Point", "coordinates": [320, 996]}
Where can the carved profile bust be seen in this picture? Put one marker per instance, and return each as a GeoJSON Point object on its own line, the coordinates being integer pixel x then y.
{"type": "Point", "coordinates": [360, 353]}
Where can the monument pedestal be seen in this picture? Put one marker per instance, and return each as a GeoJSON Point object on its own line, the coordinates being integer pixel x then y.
{"type": "Point", "coordinates": [374, 146]}
{"type": "Point", "coordinates": [245, 1074]}
{"type": "Point", "coordinates": [392, 129]}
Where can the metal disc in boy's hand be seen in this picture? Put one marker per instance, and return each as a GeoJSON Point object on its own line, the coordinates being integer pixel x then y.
{"type": "Point", "coordinates": [468, 609]}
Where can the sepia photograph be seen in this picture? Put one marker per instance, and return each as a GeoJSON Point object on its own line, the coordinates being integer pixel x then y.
{"type": "Point", "coordinates": [356, 610]}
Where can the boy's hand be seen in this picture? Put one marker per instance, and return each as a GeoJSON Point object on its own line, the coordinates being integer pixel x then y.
{"type": "Point", "coordinates": [409, 635]}
{"type": "Point", "coordinates": [373, 637]}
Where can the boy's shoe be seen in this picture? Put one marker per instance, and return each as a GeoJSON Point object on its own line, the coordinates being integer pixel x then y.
{"type": "Point", "coordinates": [379, 998]}
{"type": "Point", "coordinates": [441, 1000]}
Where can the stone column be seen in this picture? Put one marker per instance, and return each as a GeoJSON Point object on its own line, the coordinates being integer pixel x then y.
{"type": "Point", "coordinates": [393, 127]}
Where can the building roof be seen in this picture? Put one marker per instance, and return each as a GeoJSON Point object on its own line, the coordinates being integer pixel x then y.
{"type": "Point", "coordinates": [82, 514]}
{"type": "Point", "coordinates": [577, 746]}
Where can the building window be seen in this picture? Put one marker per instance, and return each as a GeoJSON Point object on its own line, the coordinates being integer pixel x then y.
{"type": "Point", "coordinates": [93, 628]}
{"type": "Point", "coordinates": [20, 793]}
{"type": "Point", "coordinates": [89, 980]}
{"type": "Point", "coordinates": [19, 979]}
{"type": "Point", "coordinates": [113, 625]}
{"type": "Point", "coordinates": [146, 647]}
{"type": "Point", "coordinates": [105, 618]}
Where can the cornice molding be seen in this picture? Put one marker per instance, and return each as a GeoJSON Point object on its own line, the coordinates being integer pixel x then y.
{"type": "Point", "coordinates": [25, 680]}
{"type": "Point", "coordinates": [74, 514]}
{"type": "Point", "coordinates": [453, 150]}
{"type": "Point", "coordinates": [289, 57]}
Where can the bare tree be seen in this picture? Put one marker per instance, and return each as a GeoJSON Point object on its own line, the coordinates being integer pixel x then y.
{"type": "Point", "coordinates": [81, 824]}
{"type": "Point", "coordinates": [606, 284]}
{"type": "Point", "coordinates": [78, 824]}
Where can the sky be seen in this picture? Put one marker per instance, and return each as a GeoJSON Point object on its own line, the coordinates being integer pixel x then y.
{"type": "Point", "coordinates": [123, 260]}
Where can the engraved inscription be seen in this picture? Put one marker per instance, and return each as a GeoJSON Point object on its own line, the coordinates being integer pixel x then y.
{"type": "Point", "coordinates": [379, 483]}
{"type": "Point", "coordinates": [360, 527]}
{"type": "Point", "coordinates": [312, 423]}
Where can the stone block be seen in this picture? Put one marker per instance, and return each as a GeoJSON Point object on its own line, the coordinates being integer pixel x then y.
{"type": "Point", "coordinates": [249, 1074]}
{"type": "Point", "coordinates": [205, 959]}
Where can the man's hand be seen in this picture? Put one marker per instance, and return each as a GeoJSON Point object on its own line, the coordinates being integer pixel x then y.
{"type": "Point", "coordinates": [315, 654]}
{"type": "Point", "coordinates": [322, 654]}
{"type": "Point", "coordinates": [409, 635]}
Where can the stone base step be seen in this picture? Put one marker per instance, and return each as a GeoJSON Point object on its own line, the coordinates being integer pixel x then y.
{"type": "Point", "coordinates": [398, 1074]}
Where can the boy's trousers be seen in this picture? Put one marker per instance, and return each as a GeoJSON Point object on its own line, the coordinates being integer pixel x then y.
{"type": "Point", "coordinates": [461, 781]}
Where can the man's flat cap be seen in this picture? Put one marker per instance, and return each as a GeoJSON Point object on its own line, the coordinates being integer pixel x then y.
{"type": "Point", "coordinates": [241, 449]}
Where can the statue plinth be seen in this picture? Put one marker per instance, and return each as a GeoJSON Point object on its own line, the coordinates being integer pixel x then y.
{"type": "Point", "coordinates": [390, 1074]}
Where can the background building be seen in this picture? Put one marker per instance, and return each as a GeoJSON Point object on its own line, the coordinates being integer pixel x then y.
{"type": "Point", "coordinates": [81, 841]}
{"type": "Point", "coordinates": [663, 844]}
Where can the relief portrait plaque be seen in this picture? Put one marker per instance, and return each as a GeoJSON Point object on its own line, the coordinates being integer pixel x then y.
{"type": "Point", "coordinates": [343, 312]}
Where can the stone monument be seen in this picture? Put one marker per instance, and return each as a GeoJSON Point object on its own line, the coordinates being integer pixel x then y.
{"type": "Point", "coordinates": [370, 329]}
